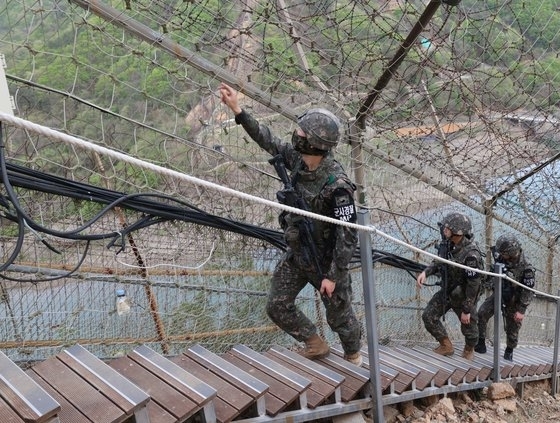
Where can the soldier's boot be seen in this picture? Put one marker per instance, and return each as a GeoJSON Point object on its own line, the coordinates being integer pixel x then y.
{"type": "Point", "coordinates": [315, 348]}
{"type": "Point", "coordinates": [481, 346]}
{"type": "Point", "coordinates": [468, 352]}
{"type": "Point", "coordinates": [355, 358]}
{"type": "Point", "coordinates": [508, 354]}
{"type": "Point", "coordinates": [445, 347]}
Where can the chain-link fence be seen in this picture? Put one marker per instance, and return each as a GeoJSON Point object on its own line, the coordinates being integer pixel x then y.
{"type": "Point", "coordinates": [466, 120]}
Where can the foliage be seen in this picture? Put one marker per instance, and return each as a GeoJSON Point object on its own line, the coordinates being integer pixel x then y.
{"type": "Point", "coordinates": [537, 20]}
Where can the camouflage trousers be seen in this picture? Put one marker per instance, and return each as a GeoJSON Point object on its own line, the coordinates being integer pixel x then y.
{"type": "Point", "coordinates": [511, 327]}
{"type": "Point", "coordinates": [437, 307]}
{"type": "Point", "coordinates": [287, 282]}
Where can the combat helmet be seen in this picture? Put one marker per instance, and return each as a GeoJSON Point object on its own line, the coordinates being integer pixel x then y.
{"type": "Point", "coordinates": [321, 127]}
{"type": "Point", "coordinates": [458, 223]}
{"type": "Point", "coordinates": [508, 245]}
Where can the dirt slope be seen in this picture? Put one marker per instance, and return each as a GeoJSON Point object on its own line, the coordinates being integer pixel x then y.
{"type": "Point", "coordinates": [536, 405]}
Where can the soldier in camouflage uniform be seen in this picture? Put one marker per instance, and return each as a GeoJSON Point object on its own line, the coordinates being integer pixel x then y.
{"type": "Point", "coordinates": [460, 291]}
{"type": "Point", "coordinates": [327, 190]}
{"type": "Point", "coordinates": [515, 298]}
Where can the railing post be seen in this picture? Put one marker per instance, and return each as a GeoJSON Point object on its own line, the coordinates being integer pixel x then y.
{"type": "Point", "coordinates": [498, 268]}
{"type": "Point", "coordinates": [371, 315]}
{"type": "Point", "coordinates": [555, 353]}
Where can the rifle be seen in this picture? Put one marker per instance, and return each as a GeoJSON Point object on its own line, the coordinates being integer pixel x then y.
{"type": "Point", "coordinates": [443, 252]}
{"type": "Point", "coordinates": [290, 197]}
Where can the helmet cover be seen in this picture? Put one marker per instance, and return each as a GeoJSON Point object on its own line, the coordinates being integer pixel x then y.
{"type": "Point", "coordinates": [508, 245]}
{"type": "Point", "coordinates": [458, 224]}
{"type": "Point", "coordinates": [321, 127]}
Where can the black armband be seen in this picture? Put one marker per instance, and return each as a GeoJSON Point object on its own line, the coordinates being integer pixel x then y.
{"type": "Point", "coordinates": [529, 278]}
{"type": "Point", "coordinates": [343, 206]}
{"type": "Point", "coordinates": [471, 261]}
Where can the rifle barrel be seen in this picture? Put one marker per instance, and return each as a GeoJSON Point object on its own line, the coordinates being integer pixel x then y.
{"type": "Point", "coordinates": [290, 197]}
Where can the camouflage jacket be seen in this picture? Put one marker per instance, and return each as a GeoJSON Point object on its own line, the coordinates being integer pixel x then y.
{"type": "Point", "coordinates": [327, 191]}
{"type": "Point", "coordinates": [468, 282]}
{"type": "Point", "coordinates": [515, 295]}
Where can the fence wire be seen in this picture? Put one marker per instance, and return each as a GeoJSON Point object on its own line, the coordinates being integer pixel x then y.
{"type": "Point", "coordinates": [468, 122]}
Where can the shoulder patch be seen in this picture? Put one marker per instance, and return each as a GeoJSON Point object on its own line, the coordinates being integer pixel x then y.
{"type": "Point", "coordinates": [343, 206]}
{"type": "Point", "coordinates": [331, 180]}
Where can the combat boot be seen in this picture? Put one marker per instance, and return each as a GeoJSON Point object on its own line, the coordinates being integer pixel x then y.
{"type": "Point", "coordinates": [508, 354]}
{"type": "Point", "coordinates": [468, 352]}
{"type": "Point", "coordinates": [481, 346]}
{"type": "Point", "coordinates": [355, 358]}
{"type": "Point", "coordinates": [445, 347]}
{"type": "Point", "coordinates": [315, 348]}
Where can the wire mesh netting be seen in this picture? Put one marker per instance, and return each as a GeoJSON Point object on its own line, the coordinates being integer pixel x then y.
{"type": "Point", "coordinates": [446, 108]}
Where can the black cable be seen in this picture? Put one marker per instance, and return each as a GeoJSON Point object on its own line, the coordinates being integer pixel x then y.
{"type": "Point", "coordinates": [141, 202]}
{"type": "Point", "coordinates": [396, 261]}
{"type": "Point", "coordinates": [154, 212]}
{"type": "Point", "coordinates": [54, 278]}
{"type": "Point", "coordinates": [19, 219]}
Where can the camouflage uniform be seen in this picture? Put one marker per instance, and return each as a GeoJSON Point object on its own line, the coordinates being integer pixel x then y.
{"type": "Point", "coordinates": [327, 191]}
{"type": "Point", "coordinates": [461, 294]}
{"type": "Point", "coordinates": [514, 299]}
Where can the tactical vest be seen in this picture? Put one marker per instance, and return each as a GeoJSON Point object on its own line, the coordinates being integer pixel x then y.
{"type": "Point", "coordinates": [457, 275]}
{"type": "Point", "coordinates": [511, 291]}
{"type": "Point", "coordinates": [317, 189]}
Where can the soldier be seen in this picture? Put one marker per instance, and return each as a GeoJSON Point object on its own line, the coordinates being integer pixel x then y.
{"type": "Point", "coordinates": [459, 288]}
{"type": "Point", "coordinates": [515, 299]}
{"type": "Point", "coordinates": [322, 182]}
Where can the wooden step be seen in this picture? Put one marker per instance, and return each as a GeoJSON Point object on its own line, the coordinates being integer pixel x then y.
{"type": "Point", "coordinates": [174, 390]}
{"type": "Point", "coordinates": [408, 375]}
{"type": "Point", "coordinates": [471, 368]}
{"type": "Point", "coordinates": [238, 393]}
{"type": "Point", "coordinates": [356, 379]}
{"type": "Point", "coordinates": [325, 384]}
{"type": "Point", "coordinates": [22, 398]}
{"type": "Point", "coordinates": [86, 386]}
{"type": "Point", "coordinates": [287, 389]}
{"type": "Point", "coordinates": [446, 374]}
{"type": "Point", "coordinates": [398, 382]}
{"type": "Point", "coordinates": [424, 377]}
{"type": "Point", "coordinates": [507, 369]}
{"type": "Point", "coordinates": [229, 402]}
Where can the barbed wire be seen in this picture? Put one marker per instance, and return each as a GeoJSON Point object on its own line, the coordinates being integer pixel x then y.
{"type": "Point", "coordinates": [468, 122]}
{"type": "Point", "coordinates": [86, 145]}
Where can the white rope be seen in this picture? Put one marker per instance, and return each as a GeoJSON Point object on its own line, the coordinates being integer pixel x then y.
{"type": "Point", "coordinates": [21, 123]}
{"type": "Point", "coordinates": [25, 124]}
{"type": "Point", "coordinates": [438, 258]}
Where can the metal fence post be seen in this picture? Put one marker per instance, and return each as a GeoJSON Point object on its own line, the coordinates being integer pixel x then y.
{"type": "Point", "coordinates": [498, 268]}
{"type": "Point", "coordinates": [555, 353]}
{"type": "Point", "coordinates": [371, 315]}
